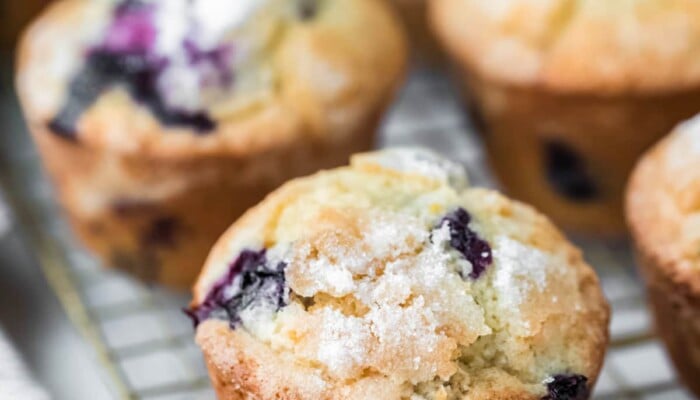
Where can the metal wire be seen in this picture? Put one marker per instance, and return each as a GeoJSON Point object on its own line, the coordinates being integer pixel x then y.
{"type": "Point", "coordinates": [145, 347]}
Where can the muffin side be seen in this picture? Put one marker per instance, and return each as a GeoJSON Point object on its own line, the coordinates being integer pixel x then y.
{"type": "Point", "coordinates": [391, 277]}
{"type": "Point", "coordinates": [662, 211]}
{"type": "Point", "coordinates": [571, 155]}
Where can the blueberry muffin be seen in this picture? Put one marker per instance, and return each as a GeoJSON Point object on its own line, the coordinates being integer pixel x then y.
{"type": "Point", "coordinates": [569, 94]}
{"type": "Point", "coordinates": [392, 279]}
{"type": "Point", "coordinates": [161, 121]}
{"type": "Point", "coordinates": [663, 212]}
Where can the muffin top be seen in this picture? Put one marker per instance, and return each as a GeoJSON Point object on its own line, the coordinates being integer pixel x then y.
{"type": "Point", "coordinates": [169, 76]}
{"type": "Point", "coordinates": [663, 204]}
{"type": "Point", "coordinates": [600, 46]}
{"type": "Point", "coordinates": [393, 279]}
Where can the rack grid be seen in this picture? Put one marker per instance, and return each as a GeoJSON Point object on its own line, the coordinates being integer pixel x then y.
{"type": "Point", "coordinates": [143, 344]}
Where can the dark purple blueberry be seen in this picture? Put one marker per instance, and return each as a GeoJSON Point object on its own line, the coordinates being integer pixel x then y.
{"type": "Point", "coordinates": [250, 280]}
{"type": "Point", "coordinates": [567, 387]}
{"type": "Point", "coordinates": [124, 58]}
{"type": "Point", "coordinates": [308, 9]}
{"type": "Point", "coordinates": [567, 172]}
{"type": "Point", "coordinates": [476, 250]}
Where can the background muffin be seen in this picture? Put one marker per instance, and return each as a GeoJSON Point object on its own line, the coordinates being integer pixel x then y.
{"type": "Point", "coordinates": [663, 210]}
{"type": "Point", "coordinates": [568, 94]}
{"type": "Point", "coordinates": [392, 279]}
{"type": "Point", "coordinates": [162, 121]}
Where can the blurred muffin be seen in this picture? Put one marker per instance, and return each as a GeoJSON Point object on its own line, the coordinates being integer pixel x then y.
{"type": "Point", "coordinates": [391, 279]}
{"type": "Point", "coordinates": [160, 121]}
{"type": "Point", "coordinates": [568, 94]}
{"type": "Point", "coordinates": [663, 212]}
{"type": "Point", "coordinates": [14, 15]}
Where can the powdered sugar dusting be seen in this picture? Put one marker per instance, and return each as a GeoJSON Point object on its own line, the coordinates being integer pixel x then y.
{"type": "Point", "coordinates": [343, 342]}
{"type": "Point", "coordinates": [403, 342]}
{"type": "Point", "coordinates": [212, 20]}
{"type": "Point", "coordinates": [531, 284]}
{"type": "Point", "coordinates": [415, 310]}
{"type": "Point", "coordinates": [205, 42]}
{"type": "Point", "coordinates": [331, 275]}
{"type": "Point", "coordinates": [521, 269]}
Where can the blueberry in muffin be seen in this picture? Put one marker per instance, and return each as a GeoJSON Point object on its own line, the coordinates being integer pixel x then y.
{"type": "Point", "coordinates": [191, 111]}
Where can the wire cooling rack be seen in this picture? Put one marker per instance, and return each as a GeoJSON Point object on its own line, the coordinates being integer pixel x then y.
{"type": "Point", "coordinates": [144, 344]}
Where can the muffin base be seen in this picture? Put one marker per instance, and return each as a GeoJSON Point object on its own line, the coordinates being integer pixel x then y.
{"type": "Point", "coordinates": [607, 135]}
{"type": "Point", "coordinates": [675, 305]}
{"type": "Point", "coordinates": [166, 240]}
{"type": "Point", "coordinates": [240, 368]}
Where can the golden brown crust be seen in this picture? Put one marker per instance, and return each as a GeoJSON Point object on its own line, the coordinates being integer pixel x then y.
{"type": "Point", "coordinates": [575, 46]}
{"type": "Point", "coordinates": [241, 368]}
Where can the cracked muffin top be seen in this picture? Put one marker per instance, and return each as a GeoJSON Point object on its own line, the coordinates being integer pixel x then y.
{"type": "Point", "coordinates": [394, 279]}
{"type": "Point", "coordinates": [220, 76]}
{"type": "Point", "coordinates": [576, 45]}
